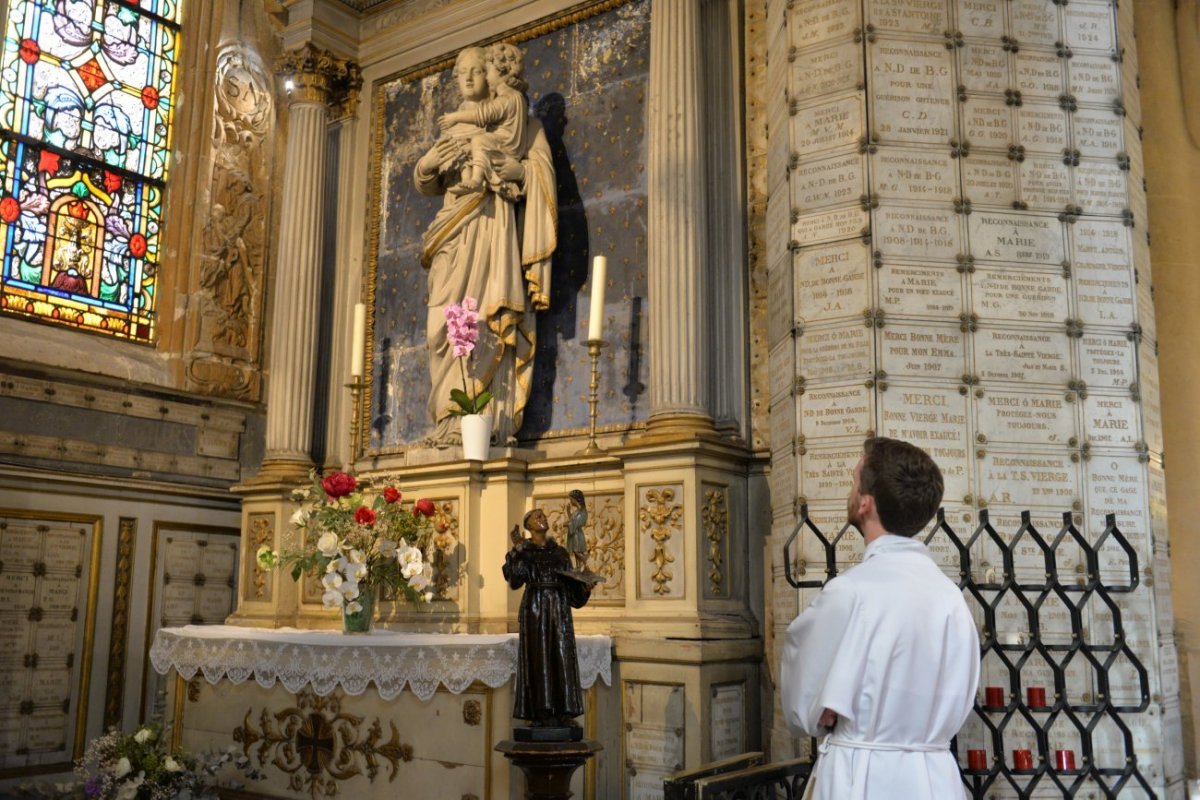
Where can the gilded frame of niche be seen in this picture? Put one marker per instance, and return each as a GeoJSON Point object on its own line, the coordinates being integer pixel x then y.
{"type": "Point", "coordinates": [162, 527]}
{"type": "Point", "coordinates": [539, 27]}
{"type": "Point", "coordinates": [606, 551]}
{"type": "Point", "coordinates": [118, 645]}
{"type": "Point", "coordinates": [482, 712]}
{"type": "Point", "coordinates": [83, 685]}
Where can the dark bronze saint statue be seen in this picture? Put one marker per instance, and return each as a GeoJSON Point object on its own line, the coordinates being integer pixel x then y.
{"type": "Point", "coordinates": [548, 694]}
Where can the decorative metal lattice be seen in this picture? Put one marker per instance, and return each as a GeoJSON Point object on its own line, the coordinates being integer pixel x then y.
{"type": "Point", "coordinates": [1037, 584]}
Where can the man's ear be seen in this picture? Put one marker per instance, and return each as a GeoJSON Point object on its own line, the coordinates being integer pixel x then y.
{"type": "Point", "coordinates": [866, 506]}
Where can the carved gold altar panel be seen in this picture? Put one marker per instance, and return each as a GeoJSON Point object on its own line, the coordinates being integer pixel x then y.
{"type": "Point", "coordinates": [49, 566]}
{"type": "Point", "coordinates": [605, 534]}
{"type": "Point", "coordinates": [194, 582]}
{"type": "Point", "coordinates": [660, 555]}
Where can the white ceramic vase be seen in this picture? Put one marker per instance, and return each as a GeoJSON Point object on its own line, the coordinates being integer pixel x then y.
{"type": "Point", "coordinates": [476, 436]}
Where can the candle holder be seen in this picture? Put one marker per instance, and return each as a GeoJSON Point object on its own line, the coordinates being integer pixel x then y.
{"type": "Point", "coordinates": [594, 347]}
{"type": "Point", "coordinates": [356, 388]}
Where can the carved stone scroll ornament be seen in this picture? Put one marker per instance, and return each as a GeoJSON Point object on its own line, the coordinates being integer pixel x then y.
{"type": "Point", "coordinates": [661, 517]}
{"type": "Point", "coordinates": [318, 745]}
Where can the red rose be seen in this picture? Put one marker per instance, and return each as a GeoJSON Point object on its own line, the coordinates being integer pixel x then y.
{"type": "Point", "coordinates": [391, 494]}
{"type": "Point", "coordinates": [424, 506]}
{"type": "Point", "coordinates": [339, 484]}
{"type": "Point", "coordinates": [364, 516]}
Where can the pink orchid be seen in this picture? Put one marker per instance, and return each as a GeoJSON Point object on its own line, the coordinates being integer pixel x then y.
{"type": "Point", "coordinates": [462, 326]}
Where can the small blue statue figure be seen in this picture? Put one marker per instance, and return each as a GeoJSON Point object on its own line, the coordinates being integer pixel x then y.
{"type": "Point", "coordinates": [576, 521]}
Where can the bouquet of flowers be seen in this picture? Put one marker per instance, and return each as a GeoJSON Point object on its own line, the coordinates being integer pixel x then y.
{"type": "Point", "coordinates": [462, 329]}
{"type": "Point", "coordinates": [137, 766]}
{"type": "Point", "coordinates": [357, 543]}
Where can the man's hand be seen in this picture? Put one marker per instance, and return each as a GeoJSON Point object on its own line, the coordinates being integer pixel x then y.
{"type": "Point", "coordinates": [515, 535]}
{"type": "Point", "coordinates": [828, 719]}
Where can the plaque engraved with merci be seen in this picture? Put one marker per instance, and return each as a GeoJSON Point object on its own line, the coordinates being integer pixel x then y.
{"type": "Point", "coordinates": [935, 420]}
{"type": "Point", "coordinates": [1028, 480]}
{"type": "Point", "coordinates": [919, 233]}
{"type": "Point", "coordinates": [910, 174]}
{"type": "Point", "coordinates": [912, 16]}
{"type": "Point", "coordinates": [833, 411]}
{"type": "Point", "coordinates": [1021, 355]}
{"type": "Point", "coordinates": [981, 17]}
{"type": "Point", "coordinates": [913, 290]}
{"type": "Point", "coordinates": [814, 22]}
{"type": "Point", "coordinates": [842, 223]}
{"type": "Point", "coordinates": [923, 351]}
{"type": "Point", "coordinates": [1024, 296]}
{"type": "Point", "coordinates": [1025, 417]}
{"type": "Point", "coordinates": [19, 547]}
{"type": "Point", "coordinates": [818, 72]}
{"type": "Point", "coordinates": [1042, 128]}
{"type": "Point", "coordinates": [913, 97]}
{"type": "Point", "coordinates": [1111, 420]}
{"type": "Point", "coordinates": [1034, 21]}
{"type": "Point", "coordinates": [1026, 238]}
{"type": "Point", "coordinates": [1039, 74]}
{"type": "Point", "coordinates": [987, 122]}
{"type": "Point", "coordinates": [828, 125]}
{"type": "Point", "coordinates": [1106, 360]}
{"type": "Point", "coordinates": [831, 282]}
{"type": "Point", "coordinates": [842, 352]}
{"type": "Point", "coordinates": [828, 182]}
{"type": "Point", "coordinates": [983, 67]}
{"type": "Point", "coordinates": [1045, 183]}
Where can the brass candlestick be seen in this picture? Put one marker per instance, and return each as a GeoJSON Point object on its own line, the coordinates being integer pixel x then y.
{"type": "Point", "coordinates": [356, 387]}
{"type": "Point", "coordinates": [594, 346]}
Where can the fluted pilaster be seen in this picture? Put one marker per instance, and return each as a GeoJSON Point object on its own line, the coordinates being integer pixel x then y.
{"type": "Point", "coordinates": [677, 220]}
{"type": "Point", "coordinates": [314, 81]}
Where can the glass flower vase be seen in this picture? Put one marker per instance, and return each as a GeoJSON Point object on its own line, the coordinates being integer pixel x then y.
{"type": "Point", "coordinates": [363, 620]}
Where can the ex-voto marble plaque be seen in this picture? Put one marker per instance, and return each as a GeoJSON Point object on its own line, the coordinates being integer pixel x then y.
{"type": "Point", "coordinates": [1024, 417]}
{"type": "Point", "coordinates": [831, 281]}
{"type": "Point", "coordinates": [844, 351]}
{"type": "Point", "coordinates": [914, 290]}
{"type": "Point", "coordinates": [1019, 295]}
{"type": "Point", "coordinates": [910, 16]}
{"type": "Point", "coordinates": [981, 17]}
{"type": "Point", "coordinates": [825, 472]}
{"type": "Point", "coordinates": [1115, 485]}
{"type": "Point", "coordinates": [1095, 79]}
{"type": "Point", "coordinates": [1045, 183]}
{"type": "Point", "coordinates": [917, 233]}
{"type": "Point", "coordinates": [1111, 420]}
{"type": "Point", "coordinates": [1023, 355]}
{"type": "Point", "coordinates": [829, 226]}
{"type": "Point", "coordinates": [989, 180]}
{"type": "Point", "coordinates": [1028, 480]}
{"type": "Point", "coordinates": [1106, 360]}
{"type": "Point", "coordinates": [1097, 133]}
{"type": "Point", "coordinates": [825, 182]}
{"type": "Point", "coordinates": [987, 122]}
{"type": "Point", "coordinates": [827, 125]}
{"type": "Point", "coordinates": [836, 411]}
{"type": "Point", "coordinates": [1042, 128]}
{"type": "Point", "coordinates": [906, 173]}
{"type": "Point", "coordinates": [1027, 238]}
{"type": "Point", "coordinates": [1040, 74]}
{"type": "Point", "coordinates": [1100, 187]}
{"type": "Point", "coordinates": [826, 70]}
{"type": "Point", "coordinates": [934, 419]}
{"type": "Point", "coordinates": [1090, 26]}
{"type": "Point", "coordinates": [913, 98]}
{"type": "Point", "coordinates": [922, 351]}
{"type": "Point", "coordinates": [813, 22]}
{"type": "Point", "coordinates": [983, 67]}
{"type": "Point", "coordinates": [1034, 22]}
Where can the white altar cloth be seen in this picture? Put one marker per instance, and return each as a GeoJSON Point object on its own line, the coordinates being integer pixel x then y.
{"type": "Point", "coordinates": [328, 659]}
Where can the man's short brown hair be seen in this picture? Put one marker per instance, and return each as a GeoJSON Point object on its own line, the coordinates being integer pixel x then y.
{"type": "Point", "coordinates": [905, 482]}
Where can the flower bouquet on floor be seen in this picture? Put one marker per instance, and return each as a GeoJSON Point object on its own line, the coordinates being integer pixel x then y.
{"type": "Point", "coordinates": [357, 543]}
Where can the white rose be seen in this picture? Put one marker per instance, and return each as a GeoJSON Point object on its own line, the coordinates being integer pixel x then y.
{"type": "Point", "coordinates": [171, 765]}
{"type": "Point", "coordinates": [123, 767]}
{"type": "Point", "coordinates": [332, 599]}
{"type": "Point", "coordinates": [143, 736]}
{"type": "Point", "coordinates": [328, 544]}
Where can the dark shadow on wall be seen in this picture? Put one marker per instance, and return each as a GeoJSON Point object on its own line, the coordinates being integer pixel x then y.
{"type": "Point", "coordinates": [569, 272]}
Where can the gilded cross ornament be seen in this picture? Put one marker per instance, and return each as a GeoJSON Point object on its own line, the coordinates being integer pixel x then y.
{"type": "Point", "coordinates": [660, 516]}
{"type": "Point", "coordinates": [318, 746]}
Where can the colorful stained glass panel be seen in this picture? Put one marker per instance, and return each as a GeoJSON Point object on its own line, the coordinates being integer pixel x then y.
{"type": "Point", "coordinates": [81, 243]}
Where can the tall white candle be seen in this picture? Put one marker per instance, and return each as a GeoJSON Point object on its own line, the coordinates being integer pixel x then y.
{"type": "Point", "coordinates": [596, 315]}
{"type": "Point", "coordinates": [359, 340]}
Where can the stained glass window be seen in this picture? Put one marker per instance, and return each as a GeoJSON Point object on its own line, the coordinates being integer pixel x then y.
{"type": "Point", "coordinates": [86, 102]}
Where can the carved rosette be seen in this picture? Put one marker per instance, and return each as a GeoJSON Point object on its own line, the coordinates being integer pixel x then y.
{"type": "Point", "coordinates": [660, 520]}
{"type": "Point", "coordinates": [262, 531]}
{"type": "Point", "coordinates": [605, 534]}
{"type": "Point", "coordinates": [314, 75]}
{"type": "Point", "coordinates": [714, 520]}
{"type": "Point", "coordinates": [318, 746]}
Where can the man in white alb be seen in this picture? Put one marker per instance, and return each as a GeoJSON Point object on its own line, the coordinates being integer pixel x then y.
{"type": "Point", "coordinates": [886, 658]}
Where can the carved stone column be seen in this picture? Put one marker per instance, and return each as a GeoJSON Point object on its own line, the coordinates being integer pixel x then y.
{"type": "Point", "coordinates": [678, 210]}
{"type": "Point", "coordinates": [315, 79]}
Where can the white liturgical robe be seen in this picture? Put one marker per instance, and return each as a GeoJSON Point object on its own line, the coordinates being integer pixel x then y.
{"type": "Point", "coordinates": [891, 647]}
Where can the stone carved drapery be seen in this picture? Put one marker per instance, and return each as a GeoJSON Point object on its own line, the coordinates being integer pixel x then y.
{"type": "Point", "coordinates": [660, 540]}
{"type": "Point", "coordinates": [605, 534]}
{"type": "Point", "coordinates": [226, 353]}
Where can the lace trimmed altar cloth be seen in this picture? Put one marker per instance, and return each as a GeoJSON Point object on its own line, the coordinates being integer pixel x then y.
{"type": "Point", "coordinates": [328, 659]}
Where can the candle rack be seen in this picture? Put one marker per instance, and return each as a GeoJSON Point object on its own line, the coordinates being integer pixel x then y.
{"type": "Point", "coordinates": [985, 587]}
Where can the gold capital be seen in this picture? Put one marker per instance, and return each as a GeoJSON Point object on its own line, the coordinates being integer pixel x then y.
{"type": "Point", "coordinates": [314, 75]}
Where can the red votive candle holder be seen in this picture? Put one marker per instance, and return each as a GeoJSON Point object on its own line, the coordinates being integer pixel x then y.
{"type": "Point", "coordinates": [977, 759]}
{"type": "Point", "coordinates": [1064, 759]}
{"type": "Point", "coordinates": [994, 697]}
{"type": "Point", "coordinates": [1022, 759]}
{"type": "Point", "coordinates": [1035, 697]}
